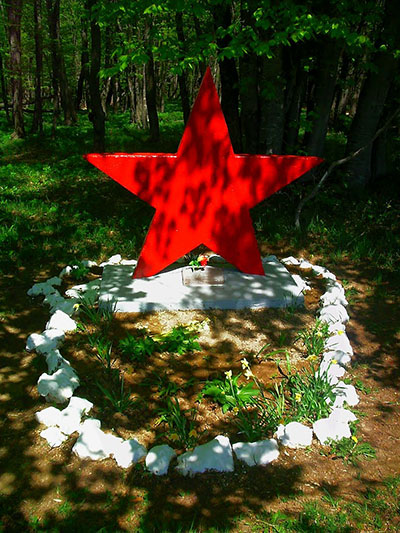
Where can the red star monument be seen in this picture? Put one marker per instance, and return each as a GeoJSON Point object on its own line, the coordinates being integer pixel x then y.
{"type": "Point", "coordinates": [203, 193]}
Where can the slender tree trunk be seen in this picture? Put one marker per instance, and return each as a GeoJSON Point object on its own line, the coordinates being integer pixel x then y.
{"type": "Point", "coordinates": [249, 99]}
{"type": "Point", "coordinates": [272, 104]}
{"type": "Point", "coordinates": [37, 124]}
{"type": "Point", "coordinates": [229, 79]}
{"type": "Point", "coordinates": [96, 114]}
{"type": "Point", "coordinates": [151, 99]}
{"type": "Point", "coordinates": [4, 89]}
{"type": "Point", "coordinates": [60, 81]}
{"type": "Point", "coordinates": [84, 74]}
{"type": "Point", "coordinates": [294, 99]}
{"type": "Point", "coordinates": [323, 95]}
{"type": "Point", "coordinates": [182, 77]}
{"type": "Point", "coordinates": [371, 103]}
{"type": "Point", "coordinates": [14, 14]}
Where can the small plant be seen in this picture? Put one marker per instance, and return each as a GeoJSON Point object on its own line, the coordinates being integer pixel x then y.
{"type": "Point", "coordinates": [119, 398]}
{"type": "Point", "coordinates": [314, 338]}
{"type": "Point", "coordinates": [180, 339]}
{"type": "Point", "coordinates": [180, 423]}
{"type": "Point", "coordinates": [351, 450]}
{"type": "Point", "coordinates": [79, 271]}
{"type": "Point", "coordinates": [228, 393]}
{"type": "Point", "coordinates": [164, 385]}
{"type": "Point", "coordinates": [103, 349]}
{"type": "Point", "coordinates": [138, 349]}
{"type": "Point", "coordinates": [93, 314]}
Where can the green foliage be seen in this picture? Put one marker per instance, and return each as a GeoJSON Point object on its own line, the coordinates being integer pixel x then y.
{"type": "Point", "coordinates": [181, 339]}
{"type": "Point", "coordinates": [115, 393]}
{"type": "Point", "coordinates": [350, 450]}
{"type": "Point", "coordinates": [314, 338]}
{"type": "Point", "coordinates": [102, 348]}
{"type": "Point", "coordinates": [228, 393]}
{"type": "Point", "coordinates": [180, 424]}
{"type": "Point", "coordinates": [138, 349]}
{"type": "Point", "coordinates": [79, 271]}
{"type": "Point", "coordinates": [165, 387]}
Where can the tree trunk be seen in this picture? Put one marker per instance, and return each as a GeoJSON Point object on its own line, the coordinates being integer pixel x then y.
{"type": "Point", "coordinates": [229, 79]}
{"type": "Point", "coordinates": [151, 98]}
{"type": "Point", "coordinates": [96, 114]}
{"type": "Point", "coordinates": [371, 103]}
{"type": "Point", "coordinates": [37, 124]}
{"type": "Point", "coordinates": [250, 113]}
{"type": "Point", "coordinates": [14, 14]}
{"type": "Point", "coordinates": [272, 104]}
{"type": "Point", "coordinates": [182, 77]}
{"type": "Point", "coordinates": [84, 74]}
{"type": "Point", "coordinates": [4, 89]}
{"type": "Point", "coordinates": [324, 91]}
{"type": "Point", "coordinates": [293, 99]}
{"type": "Point", "coordinates": [60, 81]}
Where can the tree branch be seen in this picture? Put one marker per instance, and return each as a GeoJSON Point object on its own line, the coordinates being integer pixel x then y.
{"type": "Point", "coordinates": [337, 163]}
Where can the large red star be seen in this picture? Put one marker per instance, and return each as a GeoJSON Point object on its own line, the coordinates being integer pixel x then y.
{"type": "Point", "coordinates": [203, 193]}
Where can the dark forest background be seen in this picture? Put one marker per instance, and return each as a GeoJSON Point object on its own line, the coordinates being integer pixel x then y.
{"type": "Point", "coordinates": [289, 73]}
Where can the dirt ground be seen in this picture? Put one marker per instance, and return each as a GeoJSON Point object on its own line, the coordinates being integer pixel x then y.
{"type": "Point", "coordinates": [39, 485]}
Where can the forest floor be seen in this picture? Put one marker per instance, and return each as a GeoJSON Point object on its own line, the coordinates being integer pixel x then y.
{"type": "Point", "coordinates": [52, 212]}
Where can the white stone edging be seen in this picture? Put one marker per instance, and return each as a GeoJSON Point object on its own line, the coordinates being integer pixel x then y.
{"type": "Point", "coordinates": [61, 381]}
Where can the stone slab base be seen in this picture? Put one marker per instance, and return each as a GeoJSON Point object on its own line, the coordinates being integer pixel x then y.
{"type": "Point", "coordinates": [165, 291]}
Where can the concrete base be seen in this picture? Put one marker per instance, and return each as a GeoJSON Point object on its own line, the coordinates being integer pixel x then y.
{"type": "Point", "coordinates": [165, 291]}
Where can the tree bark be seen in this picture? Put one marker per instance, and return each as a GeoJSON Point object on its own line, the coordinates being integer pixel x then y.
{"type": "Point", "coordinates": [60, 81]}
{"type": "Point", "coordinates": [182, 77]}
{"type": "Point", "coordinates": [229, 79]}
{"type": "Point", "coordinates": [272, 104]}
{"type": "Point", "coordinates": [151, 99]}
{"type": "Point", "coordinates": [37, 123]}
{"type": "Point", "coordinates": [4, 89]}
{"type": "Point", "coordinates": [14, 14]}
{"type": "Point", "coordinates": [371, 103]}
{"type": "Point", "coordinates": [250, 112]}
{"type": "Point", "coordinates": [324, 91]}
{"type": "Point", "coordinates": [96, 113]}
{"type": "Point", "coordinates": [84, 73]}
{"type": "Point", "coordinates": [294, 99]}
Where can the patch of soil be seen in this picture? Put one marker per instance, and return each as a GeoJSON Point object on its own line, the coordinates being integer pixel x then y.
{"type": "Point", "coordinates": [44, 488]}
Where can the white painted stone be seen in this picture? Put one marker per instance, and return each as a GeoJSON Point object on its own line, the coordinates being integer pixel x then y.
{"type": "Point", "coordinates": [111, 444]}
{"type": "Point", "coordinates": [113, 260]}
{"type": "Point", "coordinates": [49, 416]}
{"type": "Point", "coordinates": [339, 342]}
{"type": "Point", "coordinates": [305, 264]}
{"type": "Point", "coordinates": [337, 327]}
{"type": "Point", "coordinates": [341, 358]}
{"type": "Point", "coordinates": [58, 387]}
{"type": "Point", "coordinates": [43, 289]}
{"type": "Point", "coordinates": [54, 281]}
{"type": "Point", "coordinates": [303, 285]}
{"type": "Point", "coordinates": [339, 414]}
{"type": "Point", "coordinates": [334, 313]}
{"type": "Point", "coordinates": [54, 361]}
{"type": "Point", "coordinates": [129, 453]}
{"type": "Point", "coordinates": [330, 371]}
{"type": "Point", "coordinates": [60, 320]}
{"type": "Point", "coordinates": [129, 262]}
{"type": "Point", "coordinates": [53, 298]}
{"type": "Point", "coordinates": [68, 306]}
{"type": "Point", "coordinates": [290, 261]}
{"type": "Point", "coordinates": [66, 271]}
{"type": "Point", "coordinates": [54, 436]}
{"type": "Point", "coordinates": [70, 421]}
{"type": "Point", "coordinates": [260, 453]}
{"type": "Point", "coordinates": [324, 272]}
{"type": "Point", "coordinates": [81, 405]}
{"type": "Point", "coordinates": [327, 429]}
{"type": "Point", "coordinates": [159, 458]}
{"type": "Point", "coordinates": [44, 342]}
{"type": "Point", "coordinates": [90, 443]}
{"type": "Point", "coordinates": [269, 259]}
{"type": "Point", "coordinates": [345, 394]}
{"type": "Point", "coordinates": [215, 455]}
{"type": "Point", "coordinates": [333, 298]}
{"type": "Point", "coordinates": [294, 435]}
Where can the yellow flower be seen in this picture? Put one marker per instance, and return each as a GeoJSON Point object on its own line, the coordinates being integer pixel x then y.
{"type": "Point", "coordinates": [334, 362]}
{"type": "Point", "coordinates": [340, 332]}
{"type": "Point", "coordinates": [76, 306]}
{"type": "Point", "coordinates": [297, 396]}
{"type": "Point", "coordinates": [354, 438]}
{"type": "Point", "coordinates": [248, 374]}
{"type": "Point", "coordinates": [312, 358]}
{"type": "Point", "coordinates": [228, 374]}
{"type": "Point", "coordinates": [174, 437]}
{"type": "Point", "coordinates": [235, 410]}
{"type": "Point", "coordinates": [245, 363]}
{"type": "Point", "coordinates": [193, 433]}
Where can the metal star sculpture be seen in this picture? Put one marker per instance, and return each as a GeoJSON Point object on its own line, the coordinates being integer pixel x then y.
{"type": "Point", "coordinates": [203, 193]}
